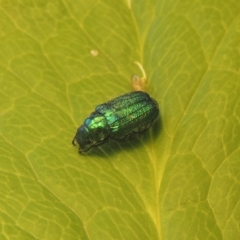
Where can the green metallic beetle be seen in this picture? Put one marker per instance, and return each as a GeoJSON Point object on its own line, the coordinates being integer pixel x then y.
{"type": "Point", "coordinates": [122, 118]}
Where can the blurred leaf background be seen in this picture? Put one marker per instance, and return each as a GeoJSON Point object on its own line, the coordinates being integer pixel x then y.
{"type": "Point", "coordinates": [180, 180]}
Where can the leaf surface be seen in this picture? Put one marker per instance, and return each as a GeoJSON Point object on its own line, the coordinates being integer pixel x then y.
{"type": "Point", "coordinates": [59, 60]}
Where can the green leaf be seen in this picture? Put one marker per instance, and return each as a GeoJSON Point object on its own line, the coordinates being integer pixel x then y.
{"type": "Point", "coordinates": [59, 60]}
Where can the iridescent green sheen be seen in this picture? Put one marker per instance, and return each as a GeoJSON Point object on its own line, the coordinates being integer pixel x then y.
{"type": "Point", "coordinates": [122, 118]}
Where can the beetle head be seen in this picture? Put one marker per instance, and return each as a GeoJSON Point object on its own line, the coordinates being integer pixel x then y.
{"type": "Point", "coordinates": [92, 133]}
